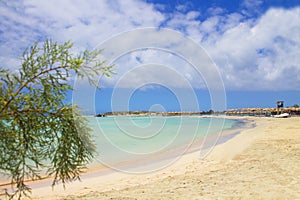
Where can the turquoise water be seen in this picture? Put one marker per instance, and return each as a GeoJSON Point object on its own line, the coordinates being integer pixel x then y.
{"type": "Point", "coordinates": [127, 139]}
{"type": "Point", "coordinates": [123, 142]}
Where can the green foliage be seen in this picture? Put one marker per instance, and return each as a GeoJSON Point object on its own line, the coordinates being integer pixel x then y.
{"type": "Point", "coordinates": [295, 106]}
{"type": "Point", "coordinates": [41, 135]}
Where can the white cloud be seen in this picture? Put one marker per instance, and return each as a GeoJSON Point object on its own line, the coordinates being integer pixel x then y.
{"type": "Point", "coordinates": [180, 20]}
{"type": "Point", "coordinates": [85, 23]}
{"type": "Point", "coordinates": [251, 53]}
{"type": "Point", "coordinates": [251, 7]}
{"type": "Point", "coordinates": [88, 23]}
{"type": "Point", "coordinates": [261, 55]}
{"type": "Point", "coordinates": [139, 67]}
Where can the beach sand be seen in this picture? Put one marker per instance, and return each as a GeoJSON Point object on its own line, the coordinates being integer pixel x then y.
{"type": "Point", "coordinates": [259, 163]}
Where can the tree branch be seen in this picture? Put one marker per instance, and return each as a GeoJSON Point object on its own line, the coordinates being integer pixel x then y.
{"type": "Point", "coordinates": [28, 81]}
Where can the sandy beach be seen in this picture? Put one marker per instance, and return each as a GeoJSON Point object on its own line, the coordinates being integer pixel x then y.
{"type": "Point", "coordinates": [259, 163]}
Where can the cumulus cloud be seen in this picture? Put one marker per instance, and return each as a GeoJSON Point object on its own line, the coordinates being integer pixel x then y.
{"type": "Point", "coordinates": [252, 51]}
{"type": "Point", "coordinates": [89, 23]}
{"type": "Point", "coordinates": [260, 54]}
{"type": "Point", "coordinates": [154, 66]}
{"type": "Point", "coordinates": [85, 23]}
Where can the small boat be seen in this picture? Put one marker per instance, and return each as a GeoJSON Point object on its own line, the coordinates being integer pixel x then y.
{"type": "Point", "coordinates": [283, 115]}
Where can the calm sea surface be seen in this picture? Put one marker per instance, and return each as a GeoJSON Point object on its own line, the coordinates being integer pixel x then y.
{"type": "Point", "coordinates": [126, 139]}
{"type": "Point", "coordinates": [123, 142]}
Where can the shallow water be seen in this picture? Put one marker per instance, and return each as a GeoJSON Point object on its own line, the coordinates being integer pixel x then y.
{"type": "Point", "coordinates": [151, 142]}
{"type": "Point", "coordinates": [128, 139]}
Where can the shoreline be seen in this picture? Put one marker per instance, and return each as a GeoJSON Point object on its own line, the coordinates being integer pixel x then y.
{"type": "Point", "coordinates": [90, 178]}
{"type": "Point", "coordinates": [261, 162]}
{"type": "Point", "coordinates": [171, 154]}
{"type": "Point", "coordinates": [174, 153]}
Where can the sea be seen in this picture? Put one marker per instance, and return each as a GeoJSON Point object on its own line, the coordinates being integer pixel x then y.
{"type": "Point", "coordinates": [139, 144]}
{"type": "Point", "coordinates": [143, 144]}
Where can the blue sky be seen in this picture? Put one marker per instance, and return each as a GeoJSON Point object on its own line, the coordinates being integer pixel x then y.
{"type": "Point", "coordinates": [254, 44]}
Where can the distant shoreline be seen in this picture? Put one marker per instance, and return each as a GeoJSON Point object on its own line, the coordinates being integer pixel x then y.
{"type": "Point", "coordinates": [267, 112]}
{"type": "Point", "coordinates": [150, 113]}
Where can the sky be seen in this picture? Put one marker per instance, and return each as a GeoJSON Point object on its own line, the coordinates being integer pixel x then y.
{"type": "Point", "coordinates": [255, 46]}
